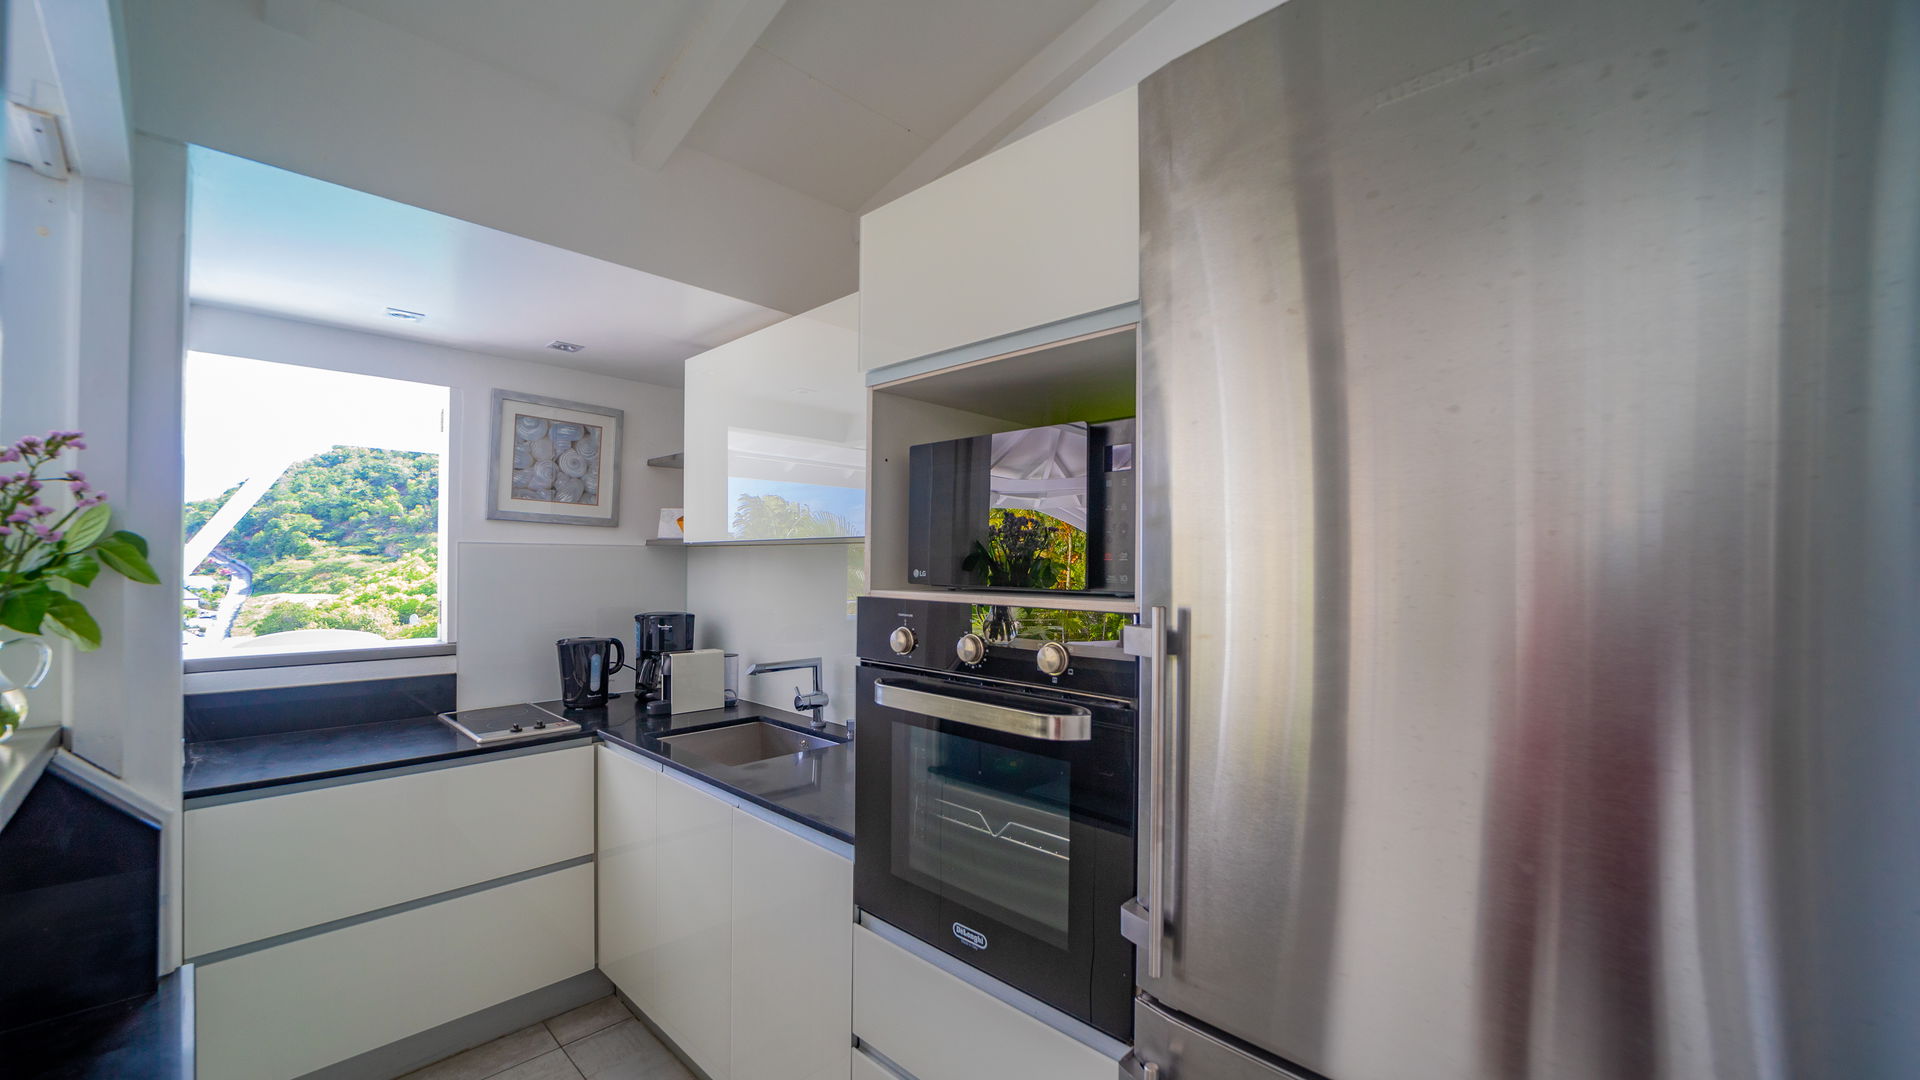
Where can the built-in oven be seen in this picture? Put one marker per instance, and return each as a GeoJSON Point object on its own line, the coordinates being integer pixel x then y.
{"type": "Point", "coordinates": [995, 793]}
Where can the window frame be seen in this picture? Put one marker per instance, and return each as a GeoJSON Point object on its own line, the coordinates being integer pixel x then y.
{"type": "Point", "coordinates": [448, 644]}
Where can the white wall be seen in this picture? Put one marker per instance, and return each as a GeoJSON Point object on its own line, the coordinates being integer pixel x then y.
{"type": "Point", "coordinates": [652, 425]}
{"type": "Point", "coordinates": [1184, 26]}
{"type": "Point", "coordinates": [516, 600]}
{"type": "Point", "coordinates": [780, 602]}
{"type": "Point", "coordinates": [360, 102]}
{"type": "Point", "coordinates": [530, 583]}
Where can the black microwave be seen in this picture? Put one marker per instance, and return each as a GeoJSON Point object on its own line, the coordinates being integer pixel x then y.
{"type": "Point", "coordinates": [1039, 509]}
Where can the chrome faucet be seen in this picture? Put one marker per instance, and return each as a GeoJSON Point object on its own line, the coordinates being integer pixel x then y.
{"type": "Point", "coordinates": [802, 700]}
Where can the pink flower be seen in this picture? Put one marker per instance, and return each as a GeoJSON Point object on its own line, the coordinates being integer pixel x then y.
{"type": "Point", "coordinates": [42, 510]}
{"type": "Point", "coordinates": [19, 517]}
{"type": "Point", "coordinates": [9, 454]}
{"type": "Point", "coordinates": [79, 487]}
{"type": "Point", "coordinates": [76, 476]}
{"type": "Point", "coordinates": [5, 531]}
{"type": "Point", "coordinates": [75, 443]}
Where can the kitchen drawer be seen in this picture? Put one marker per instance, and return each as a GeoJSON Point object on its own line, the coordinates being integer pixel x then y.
{"type": "Point", "coordinates": [866, 1068]}
{"type": "Point", "coordinates": [267, 866]}
{"type": "Point", "coordinates": [938, 1027]}
{"type": "Point", "coordinates": [287, 1010]}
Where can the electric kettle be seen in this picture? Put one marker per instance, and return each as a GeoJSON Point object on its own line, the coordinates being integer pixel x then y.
{"type": "Point", "coordinates": [585, 665]}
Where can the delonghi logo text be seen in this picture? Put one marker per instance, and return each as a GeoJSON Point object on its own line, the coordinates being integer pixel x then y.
{"type": "Point", "coordinates": [971, 938]}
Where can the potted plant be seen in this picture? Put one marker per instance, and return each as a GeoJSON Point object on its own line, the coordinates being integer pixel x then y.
{"type": "Point", "coordinates": [45, 553]}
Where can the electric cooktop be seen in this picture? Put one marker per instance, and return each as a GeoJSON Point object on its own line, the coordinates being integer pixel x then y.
{"type": "Point", "coordinates": [507, 723]}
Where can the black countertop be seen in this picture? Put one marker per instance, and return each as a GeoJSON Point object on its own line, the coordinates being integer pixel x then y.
{"type": "Point", "coordinates": [225, 766]}
{"type": "Point", "coordinates": [814, 788]}
{"type": "Point", "coordinates": [143, 1038]}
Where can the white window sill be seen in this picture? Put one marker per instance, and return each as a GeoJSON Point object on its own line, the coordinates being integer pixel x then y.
{"type": "Point", "coordinates": [213, 674]}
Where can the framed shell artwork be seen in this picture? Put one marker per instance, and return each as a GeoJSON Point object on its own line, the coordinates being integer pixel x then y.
{"type": "Point", "coordinates": [554, 461]}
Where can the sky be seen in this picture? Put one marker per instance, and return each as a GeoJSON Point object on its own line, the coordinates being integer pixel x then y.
{"type": "Point", "coordinates": [242, 416]}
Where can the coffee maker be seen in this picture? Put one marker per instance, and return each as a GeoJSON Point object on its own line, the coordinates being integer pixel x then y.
{"type": "Point", "coordinates": [656, 633]}
{"type": "Point", "coordinates": [585, 665]}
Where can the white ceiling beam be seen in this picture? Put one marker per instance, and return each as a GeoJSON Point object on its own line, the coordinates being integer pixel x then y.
{"type": "Point", "coordinates": [82, 37]}
{"type": "Point", "coordinates": [1102, 29]}
{"type": "Point", "coordinates": [702, 66]}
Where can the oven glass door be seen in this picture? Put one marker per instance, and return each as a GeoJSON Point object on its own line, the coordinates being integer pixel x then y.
{"type": "Point", "coordinates": [1010, 850]}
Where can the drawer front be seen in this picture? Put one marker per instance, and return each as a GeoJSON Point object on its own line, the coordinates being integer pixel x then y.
{"type": "Point", "coordinates": [865, 1068]}
{"type": "Point", "coordinates": [268, 866]}
{"type": "Point", "coordinates": [293, 1008]}
{"type": "Point", "coordinates": [939, 1028]}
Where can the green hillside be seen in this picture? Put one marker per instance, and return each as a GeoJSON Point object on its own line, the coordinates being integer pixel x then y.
{"type": "Point", "coordinates": [347, 539]}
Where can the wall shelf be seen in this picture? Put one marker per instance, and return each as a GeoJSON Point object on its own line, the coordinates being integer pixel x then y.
{"type": "Point", "coordinates": [1064, 601]}
{"type": "Point", "coordinates": [666, 541]}
{"type": "Point", "coordinates": [675, 460]}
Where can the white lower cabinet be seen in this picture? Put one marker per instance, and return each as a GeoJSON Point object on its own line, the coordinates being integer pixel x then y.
{"type": "Point", "coordinates": [792, 955]}
{"type": "Point", "coordinates": [865, 1068]}
{"type": "Point", "coordinates": [690, 980]}
{"type": "Point", "coordinates": [287, 1010]}
{"type": "Point", "coordinates": [628, 862]}
{"type": "Point", "coordinates": [263, 867]}
{"type": "Point", "coordinates": [938, 1027]}
{"type": "Point", "coordinates": [733, 934]}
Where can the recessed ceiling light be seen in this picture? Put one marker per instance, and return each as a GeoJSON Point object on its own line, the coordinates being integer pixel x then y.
{"type": "Point", "coordinates": [404, 315]}
{"type": "Point", "coordinates": [565, 346]}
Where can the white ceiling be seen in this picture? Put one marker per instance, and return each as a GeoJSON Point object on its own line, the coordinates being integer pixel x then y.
{"type": "Point", "coordinates": [599, 53]}
{"type": "Point", "coordinates": [272, 241]}
{"type": "Point", "coordinates": [845, 101]}
{"type": "Point", "coordinates": [834, 99]}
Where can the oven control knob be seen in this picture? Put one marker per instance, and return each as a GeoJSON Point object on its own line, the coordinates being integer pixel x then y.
{"type": "Point", "coordinates": [902, 641]}
{"type": "Point", "coordinates": [1053, 658]}
{"type": "Point", "coordinates": [971, 648]}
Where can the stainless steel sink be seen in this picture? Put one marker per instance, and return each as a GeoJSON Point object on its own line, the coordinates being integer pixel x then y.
{"type": "Point", "coordinates": [744, 744]}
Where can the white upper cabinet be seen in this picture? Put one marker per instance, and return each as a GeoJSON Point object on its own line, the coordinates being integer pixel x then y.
{"type": "Point", "coordinates": [776, 432]}
{"type": "Point", "coordinates": [1042, 230]}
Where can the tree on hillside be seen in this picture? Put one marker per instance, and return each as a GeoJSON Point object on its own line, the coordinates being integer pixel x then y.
{"type": "Point", "coordinates": [772, 517]}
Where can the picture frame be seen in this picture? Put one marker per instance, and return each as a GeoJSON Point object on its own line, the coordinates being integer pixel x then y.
{"type": "Point", "coordinates": [555, 462]}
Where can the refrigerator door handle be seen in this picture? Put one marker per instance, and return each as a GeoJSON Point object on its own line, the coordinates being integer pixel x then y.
{"type": "Point", "coordinates": [1145, 916]}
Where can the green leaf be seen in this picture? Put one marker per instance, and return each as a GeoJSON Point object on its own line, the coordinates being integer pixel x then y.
{"type": "Point", "coordinates": [71, 620]}
{"type": "Point", "coordinates": [135, 540]}
{"type": "Point", "coordinates": [24, 610]}
{"type": "Point", "coordinates": [90, 525]}
{"type": "Point", "coordinates": [119, 552]}
{"type": "Point", "coordinates": [80, 569]}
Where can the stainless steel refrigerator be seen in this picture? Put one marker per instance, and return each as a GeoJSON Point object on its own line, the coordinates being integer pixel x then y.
{"type": "Point", "coordinates": [1528, 444]}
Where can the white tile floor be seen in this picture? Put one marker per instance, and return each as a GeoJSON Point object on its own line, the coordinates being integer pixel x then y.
{"type": "Point", "coordinates": [597, 1041]}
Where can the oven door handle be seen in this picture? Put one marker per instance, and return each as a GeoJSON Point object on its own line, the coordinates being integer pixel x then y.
{"type": "Point", "coordinates": [1071, 723]}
